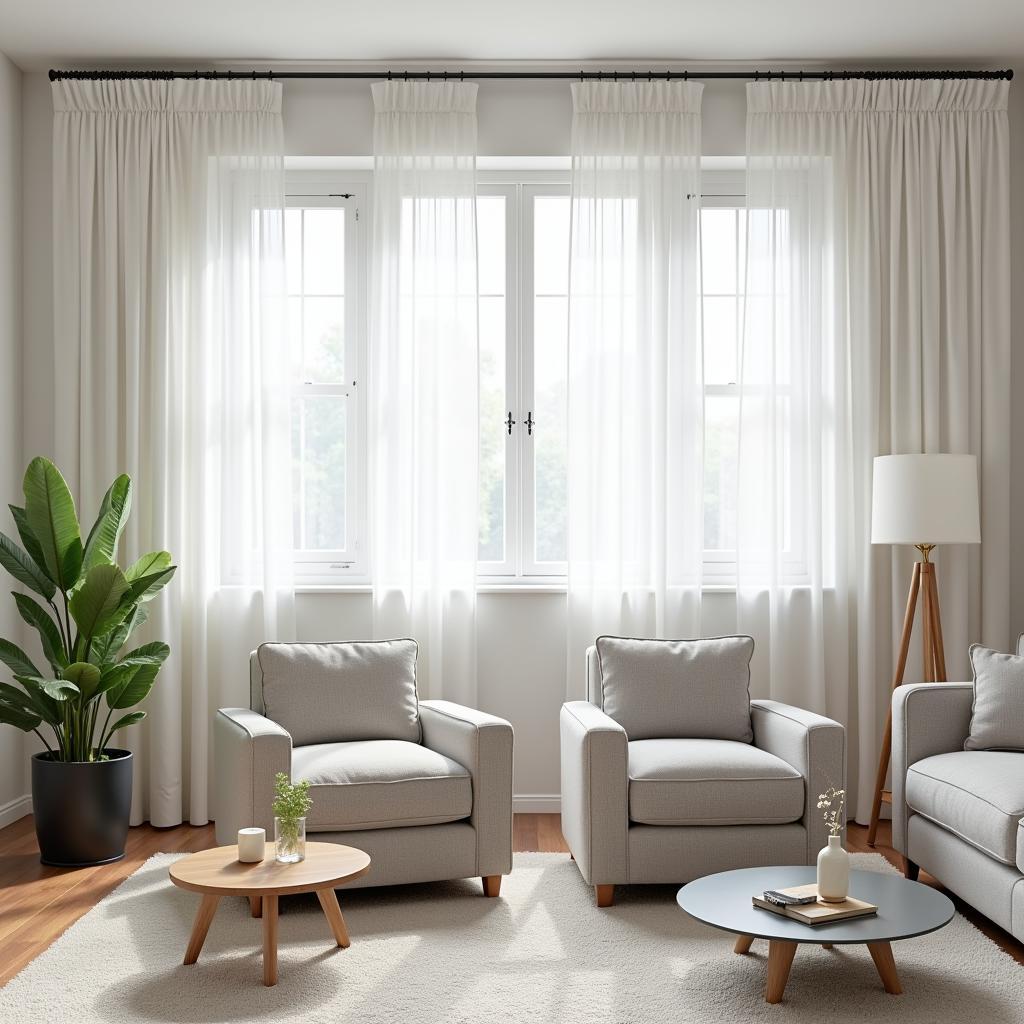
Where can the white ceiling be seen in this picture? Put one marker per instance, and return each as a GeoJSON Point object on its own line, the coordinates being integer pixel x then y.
{"type": "Point", "coordinates": [38, 33]}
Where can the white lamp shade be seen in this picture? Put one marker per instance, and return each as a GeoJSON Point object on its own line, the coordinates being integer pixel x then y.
{"type": "Point", "coordinates": [925, 499]}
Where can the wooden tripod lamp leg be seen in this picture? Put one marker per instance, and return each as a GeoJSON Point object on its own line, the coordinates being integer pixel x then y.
{"type": "Point", "coordinates": [897, 680]}
{"type": "Point", "coordinates": [939, 651]}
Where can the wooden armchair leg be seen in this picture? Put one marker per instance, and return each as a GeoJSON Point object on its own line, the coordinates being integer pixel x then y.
{"type": "Point", "coordinates": [492, 884]}
{"type": "Point", "coordinates": [605, 895]}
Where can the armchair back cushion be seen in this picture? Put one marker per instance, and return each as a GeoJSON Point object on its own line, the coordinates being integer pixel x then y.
{"type": "Point", "coordinates": [997, 714]}
{"type": "Point", "coordinates": [677, 689]}
{"type": "Point", "coordinates": [341, 692]}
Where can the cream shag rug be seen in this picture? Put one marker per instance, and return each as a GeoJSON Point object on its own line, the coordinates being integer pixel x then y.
{"type": "Point", "coordinates": [442, 953]}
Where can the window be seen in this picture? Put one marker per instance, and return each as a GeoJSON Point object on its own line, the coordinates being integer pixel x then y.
{"type": "Point", "coordinates": [523, 245]}
{"type": "Point", "coordinates": [723, 237]}
{"type": "Point", "coordinates": [324, 264]}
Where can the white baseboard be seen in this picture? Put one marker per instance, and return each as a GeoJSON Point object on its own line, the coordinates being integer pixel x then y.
{"type": "Point", "coordinates": [537, 803]}
{"type": "Point", "coordinates": [14, 809]}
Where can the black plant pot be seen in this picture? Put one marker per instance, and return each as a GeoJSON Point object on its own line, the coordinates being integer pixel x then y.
{"type": "Point", "coordinates": [81, 808]}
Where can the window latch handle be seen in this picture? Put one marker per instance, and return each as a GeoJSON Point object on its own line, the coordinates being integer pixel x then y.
{"type": "Point", "coordinates": [530, 421]}
{"type": "Point", "coordinates": [510, 423]}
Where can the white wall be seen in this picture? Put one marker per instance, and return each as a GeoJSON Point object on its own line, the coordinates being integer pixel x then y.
{"type": "Point", "coordinates": [12, 754]}
{"type": "Point", "coordinates": [522, 666]}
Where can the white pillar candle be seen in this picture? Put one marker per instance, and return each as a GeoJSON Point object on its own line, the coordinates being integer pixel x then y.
{"type": "Point", "coordinates": [251, 842]}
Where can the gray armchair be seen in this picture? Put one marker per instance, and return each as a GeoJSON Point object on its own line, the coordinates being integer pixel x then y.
{"type": "Point", "coordinates": [957, 813]}
{"type": "Point", "coordinates": [674, 807]}
{"type": "Point", "coordinates": [424, 787]}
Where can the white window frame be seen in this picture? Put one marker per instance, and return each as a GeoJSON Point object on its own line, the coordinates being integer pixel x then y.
{"type": "Point", "coordinates": [348, 190]}
{"type": "Point", "coordinates": [519, 567]}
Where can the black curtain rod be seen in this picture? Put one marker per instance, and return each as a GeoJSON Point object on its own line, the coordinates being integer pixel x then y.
{"type": "Point", "coordinates": [582, 75]}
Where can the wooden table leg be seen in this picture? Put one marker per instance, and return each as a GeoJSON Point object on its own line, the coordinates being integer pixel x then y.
{"type": "Point", "coordinates": [826, 945]}
{"type": "Point", "coordinates": [256, 906]}
{"type": "Point", "coordinates": [743, 943]}
{"type": "Point", "coordinates": [329, 901]}
{"type": "Point", "coordinates": [881, 953]}
{"type": "Point", "coordinates": [269, 940]}
{"type": "Point", "coordinates": [200, 926]}
{"type": "Point", "coordinates": [780, 959]}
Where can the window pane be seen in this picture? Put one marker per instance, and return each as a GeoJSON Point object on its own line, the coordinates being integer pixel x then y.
{"type": "Point", "coordinates": [492, 433]}
{"type": "Point", "coordinates": [318, 440]}
{"type": "Point", "coordinates": [323, 338]}
{"type": "Point", "coordinates": [721, 423]}
{"type": "Point", "coordinates": [324, 252]}
{"type": "Point", "coordinates": [550, 334]}
{"type": "Point", "coordinates": [718, 251]}
{"type": "Point", "coordinates": [491, 244]}
{"type": "Point", "coordinates": [720, 332]}
{"type": "Point", "coordinates": [551, 245]}
{"type": "Point", "coordinates": [293, 250]}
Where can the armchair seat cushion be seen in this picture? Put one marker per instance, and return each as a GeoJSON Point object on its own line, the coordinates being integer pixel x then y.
{"type": "Point", "coordinates": [711, 782]}
{"type": "Point", "coordinates": [367, 784]}
{"type": "Point", "coordinates": [977, 795]}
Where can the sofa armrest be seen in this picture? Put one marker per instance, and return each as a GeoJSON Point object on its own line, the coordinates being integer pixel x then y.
{"type": "Point", "coordinates": [927, 719]}
{"type": "Point", "coordinates": [481, 743]}
{"type": "Point", "coordinates": [249, 750]}
{"type": "Point", "coordinates": [815, 746]}
{"type": "Point", "coordinates": [595, 792]}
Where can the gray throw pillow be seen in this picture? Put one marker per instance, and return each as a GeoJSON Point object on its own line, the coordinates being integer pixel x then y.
{"type": "Point", "coordinates": [332, 693]}
{"type": "Point", "coordinates": [686, 689]}
{"type": "Point", "coordinates": [997, 715]}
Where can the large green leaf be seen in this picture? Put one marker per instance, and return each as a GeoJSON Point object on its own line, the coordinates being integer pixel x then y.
{"type": "Point", "coordinates": [105, 648]}
{"type": "Point", "coordinates": [12, 714]}
{"type": "Point", "coordinates": [130, 719]}
{"type": "Point", "coordinates": [28, 538]}
{"type": "Point", "coordinates": [106, 532]}
{"type": "Point", "coordinates": [21, 566]}
{"type": "Point", "coordinates": [16, 659]}
{"type": "Point", "coordinates": [148, 575]}
{"type": "Point", "coordinates": [135, 688]}
{"type": "Point", "coordinates": [12, 695]}
{"type": "Point", "coordinates": [85, 676]}
{"type": "Point", "coordinates": [96, 603]}
{"type": "Point", "coordinates": [47, 707]}
{"type": "Point", "coordinates": [50, 512]}
{"type": "Point", "coordinates": [49, 635]}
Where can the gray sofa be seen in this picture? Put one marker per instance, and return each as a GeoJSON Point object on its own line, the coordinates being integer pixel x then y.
{"type": "Point", "coordinates": [672, 809]}
{"type": "Point", "coordinates": [957, 813]}
{"type": "Point", "coordinates": [424, 787]}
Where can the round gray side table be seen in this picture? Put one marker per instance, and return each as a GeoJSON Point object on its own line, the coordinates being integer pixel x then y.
{"type": "Point", "coordinates": [905, 909]}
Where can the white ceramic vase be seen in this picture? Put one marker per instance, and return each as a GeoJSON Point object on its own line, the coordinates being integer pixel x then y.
{"type": "Point", "coordinates": [833, 872]}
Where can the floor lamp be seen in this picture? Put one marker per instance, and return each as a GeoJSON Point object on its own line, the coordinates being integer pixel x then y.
{"type": "Point", "coordinates": [922, 500]}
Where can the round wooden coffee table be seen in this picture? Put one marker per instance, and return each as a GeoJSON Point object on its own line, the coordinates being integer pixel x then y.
{"type": "Point", "coordinates": [905, 909]}
{"type": "Point", "coordinates": [218, 872]}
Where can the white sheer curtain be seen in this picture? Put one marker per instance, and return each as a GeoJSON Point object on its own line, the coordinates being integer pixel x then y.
{"type": "Point", "coordinates": [170, 358]}
{"type": "Point", "coordinates": [424, 424]}
{"type": "Point", "coordinates": [635, 435]}
{"type": "Point", "coordinates": [877, 321]}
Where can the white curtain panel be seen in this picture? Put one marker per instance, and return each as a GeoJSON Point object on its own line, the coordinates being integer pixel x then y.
{"type": "Point", "coordinates": [424, 421]}
{"type": "Point", "coordinates": [170, 359]}
{"type": "Point", "coordinates": [877, 321]}
{"type": "Point", "coordinates": [635, 416]}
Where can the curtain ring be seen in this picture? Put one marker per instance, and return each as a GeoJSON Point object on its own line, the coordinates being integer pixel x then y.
{"type": "Point", "coordinates": [462, 76]}
{"type": "Point", "coordinates": [686, 76]}
{"type": "Point", "coordinates": [389, 76]}
{"type": "Point", "coordinates": [650, 76]}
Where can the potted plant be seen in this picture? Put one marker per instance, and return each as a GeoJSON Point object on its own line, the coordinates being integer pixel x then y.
{"type": "Point", "coordinates": [85, 608]}
{"type": "Point", "coordinates": [291, 805]}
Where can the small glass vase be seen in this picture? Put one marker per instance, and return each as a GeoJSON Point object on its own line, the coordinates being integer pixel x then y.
{"type": "Point", "coordinates": [290, 840]}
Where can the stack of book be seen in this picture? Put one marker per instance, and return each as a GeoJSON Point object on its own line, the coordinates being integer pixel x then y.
{"type": "Point", "coordinates": [801, 903]}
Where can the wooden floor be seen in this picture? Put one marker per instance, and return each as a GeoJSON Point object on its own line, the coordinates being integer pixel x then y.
{"type": "Point", "coordinates": [38, 903]}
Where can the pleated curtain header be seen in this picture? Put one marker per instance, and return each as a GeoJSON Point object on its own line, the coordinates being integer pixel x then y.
{"type": "Point", "coordinates": [885, 96]}
{"type": "Point", "coordinates": [636, 97]}
{"type": "Point", "coordinates": [179, 96]}
{"type": "Point", "coordinates": [424, 97]}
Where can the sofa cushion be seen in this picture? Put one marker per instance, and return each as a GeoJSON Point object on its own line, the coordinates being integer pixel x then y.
{"type": "Point", "coordinates": [380, 784]}
{"type": "Point", "coordinates": [694, 689]}
{"type": "Point", "coordinates": [331, 693]}
{"type": "Point", "coordinates": [711, 782]}
{"type": "Point", "coordinates": [997, 714]}
{"type": "Point", "coordinates": [976, 794]}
